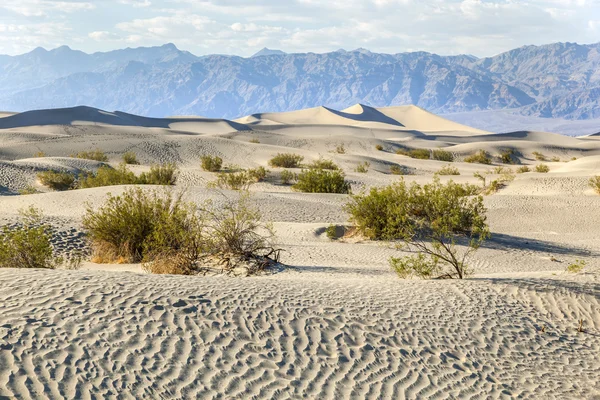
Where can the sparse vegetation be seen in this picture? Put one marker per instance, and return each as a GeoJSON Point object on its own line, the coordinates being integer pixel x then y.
{"type": "Point", "coordinates": [321, 181]}
{"type": "Point", "coordinates": [28, 244]}
{"type": "Point", "coordinates": [331, 232]}
{"type": "Point", "coordinates": [523, 169]}
{"type": "Point", "coordinates": [286, 160]}
{"type": "Point", "coordinates": [481, 157]}
{"type": "Point", "coordinates": [506, 156]}
{"type": "Point", "coordinates": [555, 159]}
{"type": "Point", "coordinates": [288, 176]}
{"type": "Point", "coordinates": [254, 140]}
{"type": "Point", "coordinates": [379, 147]}
{"type": "Point", "coordinates": [169, 235]}
{"type": "Point", "coordinates": [323, 164]}
{"type": "Point", "coordinates": [363, 167]}
{"type": "Point", "coordinates": [233, 180]}
{"type": "Point", "coordinates": [539, 156]}
{"type": "Point", "coordinates": [57, 180]}
{"type": "Point", "coordinates": [448, 170]}
{"type": "Point", "coordinates": [95, 155]}
{"type": "Point", "coordinates": [595, 183]}
{"type": "Point", "coordinates": [159, 174]}
{"type": "Point", "coordinates": [397, 170]}
{"type": "Point", "coordinates": [130, 158]}
{"type": "Point", "coordinates": [542, 168]}
{"type": "Point", "coordinates": [39, 154]}
{"type": "Point", "coordinates": [421, 154]}
{"type": "Point", "coordinates": [576, 267]}
{"type": "Point", "coordinates": [443, 155]}
{"type": "Point", "coordinates": [28, 190]}
{"type": "Point", "coordinates": [500, 170]}
{"type": "Point", "coordinates": [340, 149]}
{"type": "Point", "coordinates": [211, 163]}
{"type": "Point", "coordinates": [429, 220]}
{"type": "Point", "coordinates": [496, 184]}
{"type": "Point", "coordinates": [163, 174]}
{"type": "Point", "coordinates": [257, 174]}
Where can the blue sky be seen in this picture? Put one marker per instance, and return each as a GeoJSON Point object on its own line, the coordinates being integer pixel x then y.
{"type": "Point", "coordinates": [479, 27]}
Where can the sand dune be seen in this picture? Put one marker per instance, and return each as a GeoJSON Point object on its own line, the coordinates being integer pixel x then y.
{"type": "Point", "coordinates": [336, 323]}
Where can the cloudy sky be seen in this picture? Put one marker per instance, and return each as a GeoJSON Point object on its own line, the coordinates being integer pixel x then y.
{"type": "Point", "coordinates": [479, 27]}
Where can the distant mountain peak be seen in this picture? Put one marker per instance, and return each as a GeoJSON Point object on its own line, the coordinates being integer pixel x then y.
{"type": "Point", "coordinates": [268, 52]}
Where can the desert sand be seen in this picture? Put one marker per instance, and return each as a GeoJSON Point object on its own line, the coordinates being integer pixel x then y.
{"type": "Point", "coordinates": [335, 322]}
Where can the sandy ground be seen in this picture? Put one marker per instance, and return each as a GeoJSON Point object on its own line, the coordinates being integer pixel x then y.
{"type": "Point", "coordinates": [336, 323]}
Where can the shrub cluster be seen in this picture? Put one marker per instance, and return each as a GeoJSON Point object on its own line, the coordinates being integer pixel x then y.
{"type": "Point", "coordinates": [169, 235]}
{"type": "Point", "coordinates": [323, 164]}
{"type": "Point", "coordinates": [286, 160]}
{"type": "Point", "coordinates": [595, 183]}
{"type": "Point", "coordinates": [443, 155]}
{"type": "Point", "coordinates": [379, 147]}
{"type": "Point", "coordinates": [506, 156]}
{"type": "Point", "coordinates": [234, 179]}
{"type": "Point", "coordinates": [96, 155]}
{"type": "Point", "coordinates": [522, 169]}
{"type": "Point", "coordinates": [448, 170]}
{"type": "Point", "coordinates": [163, 174]}
{"type": "Point", "coordinates": [321, 181]}
{"type": "Point", "coordinates": [481, 157]}
{"type": "Point", "coordinates": [421, 154]}
{"type": "Point", "coordinates": [211, 163]}
{"type": "Point", "coordinates": [397, 170]}
{"type": "Point", "coordinates": [363, 167]}
{"type": "Point", "coordinates": [57, 180]}
{"type": "Point", "coordinates": [130, 158]}
{"type": "Point", "coordinates": [539, 156]}
{"type": "Point", "coordinates": [287, 177]}
{"type": "Point", "coordinates": [427, 219]}
{"type": "Point", "coordinates": [542, 168]}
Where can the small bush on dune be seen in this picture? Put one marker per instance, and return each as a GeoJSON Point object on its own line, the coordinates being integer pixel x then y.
{"type": "Point", "coordinates": [258, 174]}
{"type": "Point", "coordinates": [28, 190]}
{"type": "Point", "coordinates": [429, 220]}
{"type": "Point", "coordinates": [506, 156]}
{"type": "Point", "coordinates": [57, 180]}
{"type": "Point", "coordinates": [443, 155]}
{"type": "Point", "coordinates": [161, 174]}
{"type": "Point", "coordinates": [539, 156]}
{"type": "Point", "coordinates": [523, 169]}
{"type": "Point", "coordinates": [108, 176]}
{"type": "Point", "coordinates": [39, 154]}
{"type": "Point", "coordinates": [481, 157]}
{"type": "Point", "coordinates": [542, 168]}
{"type": "Point", "coordinates": [28, 245]}
{"type": "Point", "coordinates": [323, 164]}
{"type": "Point", "coordinates": [340, 149]}
{"type": "Point", "coordinates": [211, 163]}
{"type": "Point", "coordinates": [288, 176]}
{"type": "Point", "coordinates": [130, 158]}
{"type": "Point", "coordinates": [421, 154]}
{"type": "Point", "coordinates": [397, 170]}
{"type": "Point", "coordinates": [379, 147]}
{"type": "Point", "coordinates": [448, 170]}
{"type": "Point", "coordinates": [321, 181]}
{"type": "Point", "coordinates": [95, 155]}
{"type": "Point", "coordinates": [237, 180]}
{"type": "Point", "coordinates": [286, 160]}
{"type": "Point", "coordinates": [576, 267]}
{"type": "Point", "coordinates": [363, 167]}
{"type": "Point", "coordinates": [254, 140]}
{"type": "Point", "coordinates": [555, 159]}
{"type": "Point", "coordinates": [595, 183]}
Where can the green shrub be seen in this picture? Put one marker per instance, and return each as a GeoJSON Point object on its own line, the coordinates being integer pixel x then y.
{"type": "Point", "coordinates": [448, 170]}
{"type": "Point", "coordinates": [363, 167]}
{"type": "Point", "coordinates": [539, 156]}
{"type": "Point", "coordinates": [397, 170]}
{"type": "Point", "coordinates": [234, 180]}
{"type": "Point", "coordinates": [576, 267]}
{"type": "Point", "coordinates": [443, 155]}
{"type": "Point", "coordinates": [506, 156]}
{"type": "Point", "coordinates": [161, 174]}
{"type": "Point", "coordinates": [288, 176]}
{"type": "Point", "coordinates": [211, 163]}
{"type": "Point", "coordinates": [130, 158]}
{"type": "Point", "coordinates": [108, 176]}
{"type": "Point", "coordinates": [286, 160]}
{"type": "Point", "coordinates": [542, 168]}
{"type": "Point", "coordinates": [28, 244]}
{"type": "Point", "coordinates": [254, 140]}
{"type": "Point", "coordinates": [258, 174]}
{"type": "Point", "coordinates": [169, 235]}
{"type": "Point", "coordinates": [427, 219]}
{"type": "Point", "coordinates": [340, 149]}
{"type": "Point", "coordinates": [500, 170]}
{"type": "Point", "coordinates": [321, 181]}
{"type": "Point", "coordinates": [555, 159]}
{"type": "Point", "coordinates": [595, 183]}
{"type": "Point", "coordinates": [39, 154]}
{"type": "Point", "coordinates": [28, 190]}
{"type": "Point", "coordinates": [481, 157]}
{"type": "Point", "coordinates": [331, 232]}
{"type": "Point", "coordinates": [379, 147]}
{"type": "Point", "coordinates": [96, 155]}
{"type": "Point", "coordinates": [323, 164]}
{"type": "Point", "coordinates": [57, 180]}
{"type": "Point", "coordinates": [523, 169]}
{"type": "Point", "coordinates": [421, 154]}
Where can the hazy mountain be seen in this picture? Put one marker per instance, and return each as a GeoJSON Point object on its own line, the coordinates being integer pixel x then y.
{"type": "Point", "coordinates": [558, 80]}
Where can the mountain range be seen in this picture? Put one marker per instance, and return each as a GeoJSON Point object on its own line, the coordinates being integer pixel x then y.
{"type": "Point", "coordinates": [560, 80]}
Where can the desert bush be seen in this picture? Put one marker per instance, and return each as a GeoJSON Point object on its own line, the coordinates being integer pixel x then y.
{"type": "Point", "coordinates": [160, 174]}
{"type": "Point", "coordinates": [288, 176]}
{"type": "Point", "coordinates": [28, 244]}
{"type": "Point", "coordinates": [286, 160]}
{"type": "Point", "coordinates": [57, 180]}
{"type": "Point", "coordinates": [523, 169]}
{"type": "Point", "coordinates": [595, 183]}
{"type": "Point", "coordinates": [539, 156]}
{"type": "Point", "coordinates": [363, 167]}
{"type": "Point", "coordinates": [108, 176]}
{"type": "Point", "coordinates": [481, 157]}
{"type": "Point", "coordinates": [576, 267]}
{"type": "Point", "coordinates": [421, 154]}
{"type": "Point", "coordinates": [28, 190]}
{"type": "Point", "coordinates": [340, 149]}
{"type": "Point", "coordinates": [443, 155]}
{"type": "Point", "coordinates": [130, 158]}
{"type": "Point", "coordinates": [257, 174]}
{"type": "Point", "coordinates": [542, 168]}
{"type": "Point", "coordinates": [39, 154]}
{"type": "Point", "coordinates": [379, 147]}
{"type": "Point", "coordinates": [448, 170]}
{"type": "Point", "coordinates": [397, 170]}
{"type": "Point", "coordinates": [500, 170]}
{"type": "Point", "coordinates": [555, 159]}
{"type": "Point", "coordinates": [323, 164]}
{"type": "Point", "coordinates": [428, 219]}
{"type": "Point", "coordinates": [254, 140]}
{"type": "Point", "coordinates": [506, 156]}
{"type": "Point", "coordinates": [211, 163]}
{"type": "Point", "coordinates": [331, 232]}
{"type": "Point", "coordinates": [233, 180]}
{"type": "Point", "coordinates": [96, 155]}
{"type": "Point", "coordinates": [321, 181]}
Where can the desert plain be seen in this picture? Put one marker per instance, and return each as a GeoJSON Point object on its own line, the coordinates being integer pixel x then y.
{"type": "Point", "coordinates": [334, 322]}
